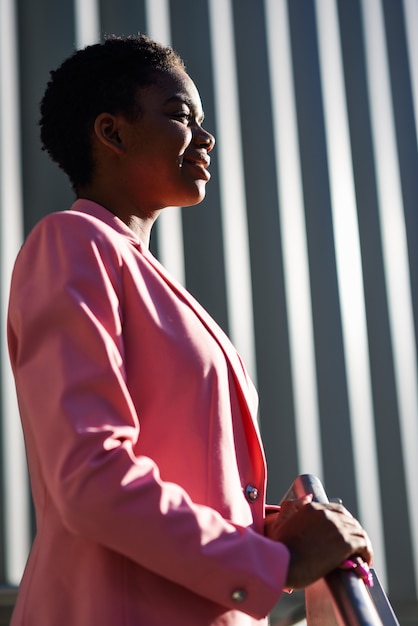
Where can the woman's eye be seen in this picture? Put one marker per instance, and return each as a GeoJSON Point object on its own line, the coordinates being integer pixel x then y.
{"type": "Point", "coordinates": [183, 115]}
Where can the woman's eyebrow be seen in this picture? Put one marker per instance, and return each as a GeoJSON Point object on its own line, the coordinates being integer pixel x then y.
{"type": "Point", "coordinates": [188, 102]}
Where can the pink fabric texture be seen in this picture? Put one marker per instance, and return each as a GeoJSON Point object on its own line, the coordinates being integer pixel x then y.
{"type": "Point", "coordinates": [141, 435]}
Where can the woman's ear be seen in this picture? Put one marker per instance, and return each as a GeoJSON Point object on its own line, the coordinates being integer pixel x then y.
{"type": "Point", "coordinates": [106, 129]}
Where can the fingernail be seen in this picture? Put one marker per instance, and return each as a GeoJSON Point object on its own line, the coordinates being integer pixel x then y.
{"type": "Point", "coordinates": [362, 570]}
{"type": "Point", "coordinates": [366, 574]}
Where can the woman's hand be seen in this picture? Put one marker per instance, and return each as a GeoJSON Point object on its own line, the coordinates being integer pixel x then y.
{"type": "Point", "coordinates": [319, 538]}
{"type": "Point", "coordinates": [274, 520]}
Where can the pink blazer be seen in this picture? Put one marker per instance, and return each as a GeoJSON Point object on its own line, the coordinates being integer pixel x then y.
{"type": "Point", "coordinates": [146, 466]}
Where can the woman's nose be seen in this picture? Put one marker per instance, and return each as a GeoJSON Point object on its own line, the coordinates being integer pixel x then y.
{"type": "Point", "coordinates": [205, 139]}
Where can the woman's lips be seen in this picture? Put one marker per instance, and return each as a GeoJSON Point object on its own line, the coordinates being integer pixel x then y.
{"type": "Point", "coordinates": [199, 165]}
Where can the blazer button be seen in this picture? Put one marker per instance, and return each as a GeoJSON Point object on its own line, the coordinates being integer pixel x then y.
{"type": "Point", "coordinates": [251, 493]}
{"type": "Point", "coordinates": [239, 595]}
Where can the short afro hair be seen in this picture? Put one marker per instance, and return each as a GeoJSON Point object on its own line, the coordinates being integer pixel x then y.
{"type": "Point", "coordinates": [104, 77]}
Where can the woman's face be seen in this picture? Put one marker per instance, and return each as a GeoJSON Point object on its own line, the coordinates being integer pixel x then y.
{"type": "Point", "coordinates": [166, 148]}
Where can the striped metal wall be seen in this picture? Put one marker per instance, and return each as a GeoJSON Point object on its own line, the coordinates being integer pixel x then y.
{"type": "Point", "coordinates": [305, 249]}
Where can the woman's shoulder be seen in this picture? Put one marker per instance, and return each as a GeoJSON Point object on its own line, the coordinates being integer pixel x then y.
{"type": "Point", "coordinates": [70, 228]}
{"type": "Point", "coordinates": [68, 237]}
{"type": "Point", "coordinates": [71, 222]}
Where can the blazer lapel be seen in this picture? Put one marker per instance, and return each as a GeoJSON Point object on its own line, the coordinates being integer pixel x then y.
{"type": "Point", "coordinates": [244, 385]}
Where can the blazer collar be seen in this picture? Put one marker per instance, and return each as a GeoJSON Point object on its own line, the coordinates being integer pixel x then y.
{"type": "Point", "coordinates": [104, 215]}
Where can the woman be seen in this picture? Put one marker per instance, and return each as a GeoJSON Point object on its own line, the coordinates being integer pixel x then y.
{"type": "Point", "coordinates": [146, 465]}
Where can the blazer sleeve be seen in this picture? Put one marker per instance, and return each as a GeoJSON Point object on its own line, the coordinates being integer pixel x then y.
{"type": "Point", "coordinates": [67, 351]}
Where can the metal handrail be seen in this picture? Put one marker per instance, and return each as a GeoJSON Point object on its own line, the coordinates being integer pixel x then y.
{"type": "Point", "coordinates": [341, 598]}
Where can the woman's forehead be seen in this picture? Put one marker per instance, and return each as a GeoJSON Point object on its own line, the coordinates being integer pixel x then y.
{"type": "Point", "coordinates": [174, 86]}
